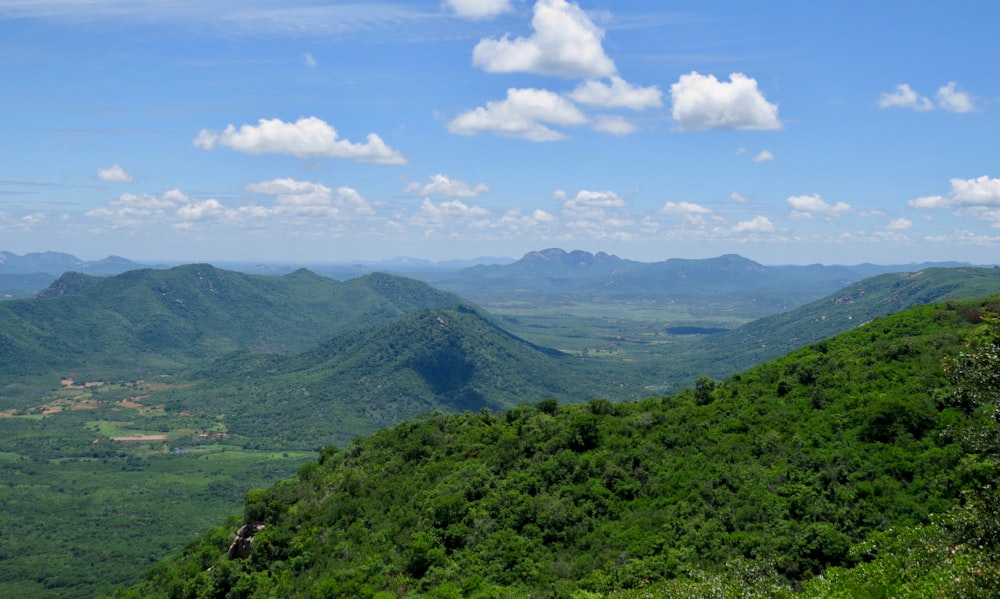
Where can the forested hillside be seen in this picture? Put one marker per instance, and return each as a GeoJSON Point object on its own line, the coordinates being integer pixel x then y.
{"type": "Point", "coordinates": [774, 336]}
{"type": "Point", "coordinates": [833, 459]}
{"type": "Point", "coordinates": [142, 320]}
{"type": "Point", "coordinates": [447, 359]}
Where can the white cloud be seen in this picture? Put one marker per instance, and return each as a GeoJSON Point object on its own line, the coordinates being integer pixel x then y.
{"type": "Point", "coordinates": [479, 9]}
{"type": "Point", "coordinates": [760, 224]}
{"type": "Point", "coordinates": [437, 216]}
{"type": "Point", "coordinates": [306, 138]}
{"type": "Point", "coordinates": [900, 224]}
{"type": "Point", "coordinates": [949, 98]}
{"type": "Point", "coordinates": [309, 59]}
{"type": "Point", "coordinates": [130, 209]}
{"type": "Point", "coordinates": [589, 204]}
{"type": "Point", "coordinates": [201, 210]}
{"type": "Point", "coordinates": [114, 174]}
{"type": "Point", "coordinates": [515, 222]}
{"type": "Point", "coordinates": [932, 202]}
{"type": "Point", "coordinates": [565, 43]}
{"type": "Point", "coordinates": [684, 208]}
{"type": "Point", "coordinates": [521, 115]}
{"type": "Point", "coordinates": [738, 197]}
{"type": "Point", "coordinates": [620, 94]}
{"type": "Point", "coordinates": [442, 185]}
{"type": "Point", "coordinates": [904, 97]}
{"type": "Point", "coordinates": [806, 207]}
{"type": "Point", "coordinates": [613, 124]}
{"type": "Point", "coordinates": [982, 191]}
{"type": "Point", "coordinates": [703, 102]}
{"type": "Point", "coordinates": [763, 156]}
{"type": "Point", "coordinates": [307, 199]}
{"type": "Point", "coordinates": [979, 192]}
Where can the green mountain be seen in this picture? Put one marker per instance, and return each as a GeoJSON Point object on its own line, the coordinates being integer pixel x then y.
{"type": "Point", "coordinates": [748, 487]}
{"type": "Point", "coordinates": [444, 359]}
{"type": "Point", "coordinates": [149, 319]}
{"type": "Point", "coordinates": [773, 336]}
{"type": "Point", "coordinates": [728, 279]}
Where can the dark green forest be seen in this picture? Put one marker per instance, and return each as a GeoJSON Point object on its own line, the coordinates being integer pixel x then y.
{"type": "Point", "coordinates": [859, 466]}
{"type": "Point", "coordinates": [138, 410]}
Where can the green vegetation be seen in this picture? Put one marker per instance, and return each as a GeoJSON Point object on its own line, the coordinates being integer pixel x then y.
{"type": "Point", "coordinates": [83, 512]}
{"type": "Point", "coordinates": [146, 321]}
{"type": "Point", "coordinates": [847, 457]}
{"type": "Point", "coordinates": [223, 382]}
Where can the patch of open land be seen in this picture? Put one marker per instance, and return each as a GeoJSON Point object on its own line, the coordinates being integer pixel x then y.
{"type": "Point", "coordinates": [140, 438]}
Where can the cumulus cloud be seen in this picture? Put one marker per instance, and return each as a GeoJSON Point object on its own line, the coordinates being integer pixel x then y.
{"type": "Point", "coordinates": [114, 174]}
{"type": "Point", "coordinates": [904, 97]}
{"type": "Point", "coordinates": [521, 115]}
{"type": "Point", "coordinates": [738, 197]}
{"type": "Point", "coordinates": [899, 224]}
{"type": "Point", "coordinates": [565, 43]}
{"type": "Point", "coordinates": [949, 98]}
{"type": "Point", "coordinates": [478, 9]}
{"type": "Point", "coordinates": [201, 210]}
{"type": "Point", "coordinates": [982, 191]}
{"type": "Point", "coordinates": [703, 102]}
{"type": "Point", "coordinates": [807, 207]}
{"type": "Point", "coordinates": [760, 224]}
{"type": "Point", "coordinates": [131, 209]}
{"type": "Point", "coordinates": [516, 222]}
{"type": "Point", "coordinates": [684, 208]}
{"type": "Point", "coordinates": [307, 199]}
{"type": "Point", "coordinates": [932, 202]}
{"type": "Point", "coordinates": [589, 204]}
{"type": "Point", "coordinates": [974, 197]}
{"type": "Point", "coordinates": [763, 156]}
{"type": "Point", "coordinates": [613, 124]}
{"type": "Point", "coordinates": [442, 185]}
{"type": "Point", "coordinates": [309, 137]}
{"type": "Point", "coordinates": [619, 94]}
{"type": "Point", "coordinates": [438, 216]}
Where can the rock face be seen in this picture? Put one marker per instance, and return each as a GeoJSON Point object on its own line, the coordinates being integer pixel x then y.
{"type": "Point", "coordinates": [242, 545]}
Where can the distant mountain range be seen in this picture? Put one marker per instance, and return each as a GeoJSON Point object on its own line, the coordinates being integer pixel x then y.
{"type": "Point", "coordinates": [725, 277]}
{"type": "Point", "coordinates": [546, 271]}
{"type": "Point", "coordinates": [23, 276]}
{"type": "Point", "coordinates": [158, 318]}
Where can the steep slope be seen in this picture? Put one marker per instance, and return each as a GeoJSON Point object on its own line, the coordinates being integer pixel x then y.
{"type": "Point", "coordinates": [723, 354]}
{"type": "Point", "coordinates": [772, 474]}
{"type": "Point", "coordinates": [149, 318]}
{"type": "Point", "coordinates": [444, 359]}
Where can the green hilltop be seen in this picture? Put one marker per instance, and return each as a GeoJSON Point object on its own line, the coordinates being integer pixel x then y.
{"type": "Point", "coordinates": [773, 336]}
{"type": "Point", "coordinates": [148, 319]}
{"type": "Point", "coordinates": [450, 359]}
{"type": "Point", "coordinates": [833, 459]}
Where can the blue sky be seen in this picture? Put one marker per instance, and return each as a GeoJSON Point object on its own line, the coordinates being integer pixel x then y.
{"type": "Point", "coordinates": [306, 131]}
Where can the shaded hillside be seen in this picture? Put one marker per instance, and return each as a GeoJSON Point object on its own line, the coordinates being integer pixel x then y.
{"type": "Point", "coordinates": [444, 359]}
{"type": "Point", "coordinates": [723, 354]}
{"type": "Point", "coordinates": [770, 477]}
{"type": "Point", "coordinates": [163, 318]}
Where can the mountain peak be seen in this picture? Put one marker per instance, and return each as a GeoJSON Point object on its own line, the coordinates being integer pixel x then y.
{"type": "Point", "coordinates": [572, 259]}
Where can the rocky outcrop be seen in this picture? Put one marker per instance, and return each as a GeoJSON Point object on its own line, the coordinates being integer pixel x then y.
{"type": "Point", "coordinates": [242, 545]}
